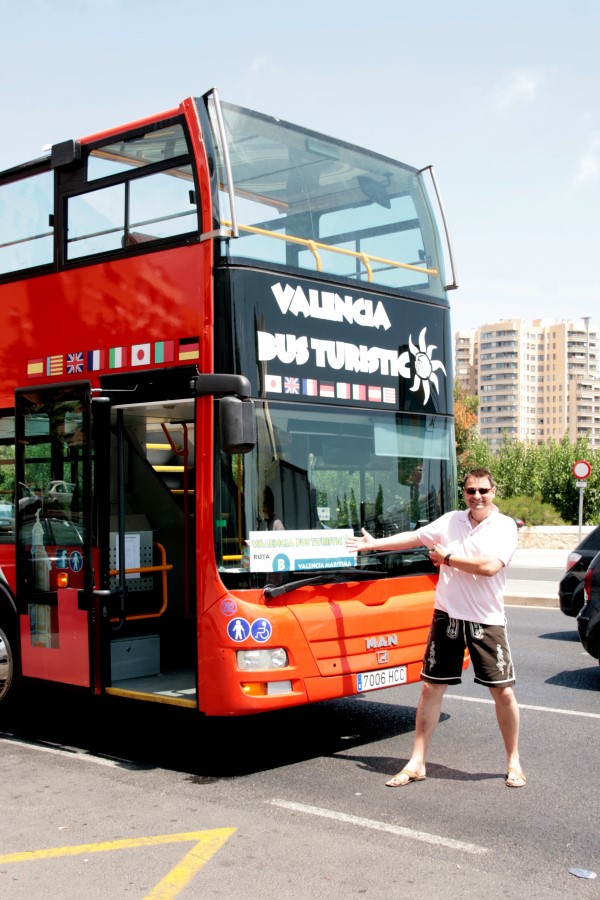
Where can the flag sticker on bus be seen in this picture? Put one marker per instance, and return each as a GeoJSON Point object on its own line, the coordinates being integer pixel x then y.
{"type": "Point", "coordinates": [74, 363]}
{"type": "Point", "coordinates": [189, 348]}
{"type": "Point", "coordinates": [139, 354]}
{"type": "Point", "coordinates": [95, 360]}
{"type": "Point", "coordinates": [164, 351]}
{"type": "Point", "coordinates": [55, 365]}
{"type": "Point", "coordinates": [291, 385]}
{"type": "Point", "coordinates": [118, 357]}
{"type": "Point", "coordinates": [342, 390]}
{"type": "Point", "coordinates": [35, 367]}
{"type": "Point", "coordinates": [273, 384]}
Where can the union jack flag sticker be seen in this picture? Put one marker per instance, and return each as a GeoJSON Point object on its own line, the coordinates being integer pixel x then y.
{"type": "Point", "coordinates": [74, 363]}
{"type": "Point", "coordinates": [291, 385]}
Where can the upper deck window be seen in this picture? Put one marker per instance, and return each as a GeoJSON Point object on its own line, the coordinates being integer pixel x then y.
{"type": "Point", "coordinates": [26, 236]}
{"type": "Point", "coordinates": [307, 201]}
{"type": "Point", "coordinates": [146, 149]}
{"type": "Point", "coordinates": [138, 189]}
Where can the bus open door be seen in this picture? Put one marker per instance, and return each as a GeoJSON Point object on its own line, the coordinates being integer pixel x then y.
{"type": "Point", "coordinates": [54, 534]}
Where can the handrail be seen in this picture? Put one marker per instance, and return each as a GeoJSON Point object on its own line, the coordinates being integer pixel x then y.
{"type": "Point", "coordinates": [184, 453]}
{"type": "Point", "coordinates": [164, 568]}
{"type": "Point", "coordinates": [226, 161]}
{"type": "Point", "coordinates": [121, 228]}
{"type": "Point", "coordinates": [25, 240]}
{"type": "Point", "coordinates": [453, 286]}
{"type": "Point", "coordinates": [314, 246]}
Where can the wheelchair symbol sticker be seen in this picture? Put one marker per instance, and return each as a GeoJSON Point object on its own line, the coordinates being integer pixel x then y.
{"type": "Point", "coordinates": [261, 630]}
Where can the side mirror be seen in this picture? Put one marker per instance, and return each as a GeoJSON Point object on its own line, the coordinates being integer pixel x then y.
{"type": "Point", "coordinates": [237, 421]}
{"type": "Point", "coordinates": [237, 425]}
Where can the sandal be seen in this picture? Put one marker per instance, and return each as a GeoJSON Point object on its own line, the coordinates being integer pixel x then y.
{"type": "Point", "coordinates": [406, 776]}
{"type": "Point", "coordinates": [515, 779]}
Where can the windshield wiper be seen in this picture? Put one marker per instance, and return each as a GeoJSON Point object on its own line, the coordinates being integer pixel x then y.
{"type": "Point", "coordinates": [274, 590]}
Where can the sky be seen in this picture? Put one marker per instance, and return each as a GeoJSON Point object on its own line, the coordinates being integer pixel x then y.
{"type": "Point", "coordinates": [503, 99]}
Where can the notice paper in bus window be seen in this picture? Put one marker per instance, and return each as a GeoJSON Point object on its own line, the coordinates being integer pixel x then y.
{"type": "Point", "coordinates": [132, 554]}
{"type": "Point", "coordinates": [300, 551]}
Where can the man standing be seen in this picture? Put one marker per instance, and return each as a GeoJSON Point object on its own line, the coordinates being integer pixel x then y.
{"type": "Point", "coordinates": [472, 547]}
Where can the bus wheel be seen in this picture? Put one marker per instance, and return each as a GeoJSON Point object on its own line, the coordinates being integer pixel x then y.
{"type": "Point", "coordinates": [8, 673]}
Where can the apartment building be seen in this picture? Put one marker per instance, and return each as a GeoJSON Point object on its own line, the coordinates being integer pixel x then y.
{"type": "Point", "coordinates": [535, 380]}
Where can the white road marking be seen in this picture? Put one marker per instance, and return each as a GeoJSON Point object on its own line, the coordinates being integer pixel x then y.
{"type": "Point", "coordinates": [381, 826]}
{"type": "Point", "coordinates": [551, 709]}
{"type": "Point", "coordinates": [58, 750]}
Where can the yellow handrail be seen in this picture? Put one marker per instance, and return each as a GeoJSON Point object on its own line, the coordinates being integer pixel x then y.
{"type": "Point", "coordinates": [164, 568]}
{"type": "Point", "coordinates": [315, 246]}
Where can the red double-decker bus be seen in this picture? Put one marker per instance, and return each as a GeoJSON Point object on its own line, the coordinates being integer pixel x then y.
{"type": "Point", "coordinates": [225, 346]}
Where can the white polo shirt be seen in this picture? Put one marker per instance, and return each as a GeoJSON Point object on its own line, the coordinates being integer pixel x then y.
{"type": "Point", "coordinates": [475, 598]}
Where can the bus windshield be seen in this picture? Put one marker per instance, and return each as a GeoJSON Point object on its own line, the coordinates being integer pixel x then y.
{"type": "Point", "coordinates": [308, 202]}
{"type": "Point", "coordinates": [317, 472]}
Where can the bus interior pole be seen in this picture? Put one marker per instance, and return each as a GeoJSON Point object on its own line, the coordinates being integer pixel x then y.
{"type": "Point", "coordinates": [121, 514]}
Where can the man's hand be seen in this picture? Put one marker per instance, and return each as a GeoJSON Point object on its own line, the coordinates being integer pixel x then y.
{"type": "Point", "coordinates": [358, 544]}
{"type": "Point", "coordinates": [438, 554]}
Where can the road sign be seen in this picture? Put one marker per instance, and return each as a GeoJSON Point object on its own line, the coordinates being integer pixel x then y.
{"type": "Point", "coordinates": [581, 469]}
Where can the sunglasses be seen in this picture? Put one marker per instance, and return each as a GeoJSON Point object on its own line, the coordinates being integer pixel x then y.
{"type": "Point", "coordinates": [482, 491]}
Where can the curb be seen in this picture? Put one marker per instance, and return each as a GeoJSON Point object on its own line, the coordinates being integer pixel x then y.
{"type": "Point", "coordinates": [527, 600]}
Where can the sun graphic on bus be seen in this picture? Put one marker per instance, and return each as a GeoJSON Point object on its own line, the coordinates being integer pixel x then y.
{"type": "Point", "coordinates": [424, 366]}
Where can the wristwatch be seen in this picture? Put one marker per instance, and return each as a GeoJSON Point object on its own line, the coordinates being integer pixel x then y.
{"type": "Point", "coordinates": [447, 559]}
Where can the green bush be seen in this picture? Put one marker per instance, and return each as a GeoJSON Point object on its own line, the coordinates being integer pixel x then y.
{"type": "Point", "coordinates": [532, 510]}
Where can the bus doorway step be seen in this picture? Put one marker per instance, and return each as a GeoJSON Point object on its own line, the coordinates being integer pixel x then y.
{"type": "Point", "coordinates": [177, 688]}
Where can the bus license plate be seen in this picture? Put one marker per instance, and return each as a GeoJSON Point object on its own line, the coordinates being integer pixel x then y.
{"type": "Point", "coordinates": [381, 678]}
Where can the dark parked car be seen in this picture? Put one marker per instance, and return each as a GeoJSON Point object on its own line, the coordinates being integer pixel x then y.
{"type": "Point", "coordinates": [588, 620]}
{"type": "Point", "coordinates": [570, 589]}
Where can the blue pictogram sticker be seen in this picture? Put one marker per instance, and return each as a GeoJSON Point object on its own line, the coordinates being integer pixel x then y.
{"type": "Point", "coordinates": [238, 630]}
{"type": "Point", "coordinates": [75, 561]}
{"type": "Point", "coordinates": [62, 558]}
{"type": "Point", "coordinates": [261, 630]}
{"type": "Point", "coordinates": [228, 607]}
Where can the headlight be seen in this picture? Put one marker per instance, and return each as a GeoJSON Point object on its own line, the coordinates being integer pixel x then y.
{"type": "Point", "coordinates": [269, 658]}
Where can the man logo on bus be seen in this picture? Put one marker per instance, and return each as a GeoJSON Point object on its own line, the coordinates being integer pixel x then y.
{"type": "Point", "coordinates": [424, 366]}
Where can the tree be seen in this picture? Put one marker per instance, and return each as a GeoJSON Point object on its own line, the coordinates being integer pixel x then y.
{"type": "Point", "coordinates": [559, 485]}
{"type": "Point", "coordinates": [472, 452]}
{"type": "Point", "coordinates": [465, 418]}
{"type": "Point", "coordinates": [379, 502]}
{"type": "Point", "coordinates": [354, 519]}
{"type": "Point", "coordinates": [519, 467]}
{"type": "Point", "coordinates": [544, 471]}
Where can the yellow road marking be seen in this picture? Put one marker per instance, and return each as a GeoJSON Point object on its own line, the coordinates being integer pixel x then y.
{"type": "Point", "coordinates": [192, 862]}
{"type": "Point", "coordinates": [207, 844]}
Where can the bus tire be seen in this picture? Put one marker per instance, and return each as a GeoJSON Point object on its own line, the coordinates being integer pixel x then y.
{"type": "Point", "coordinates": [8, 664]}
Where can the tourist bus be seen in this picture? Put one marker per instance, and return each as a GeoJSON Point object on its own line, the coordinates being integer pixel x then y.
{"type": "Point", "coordinates": [225, 346]}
